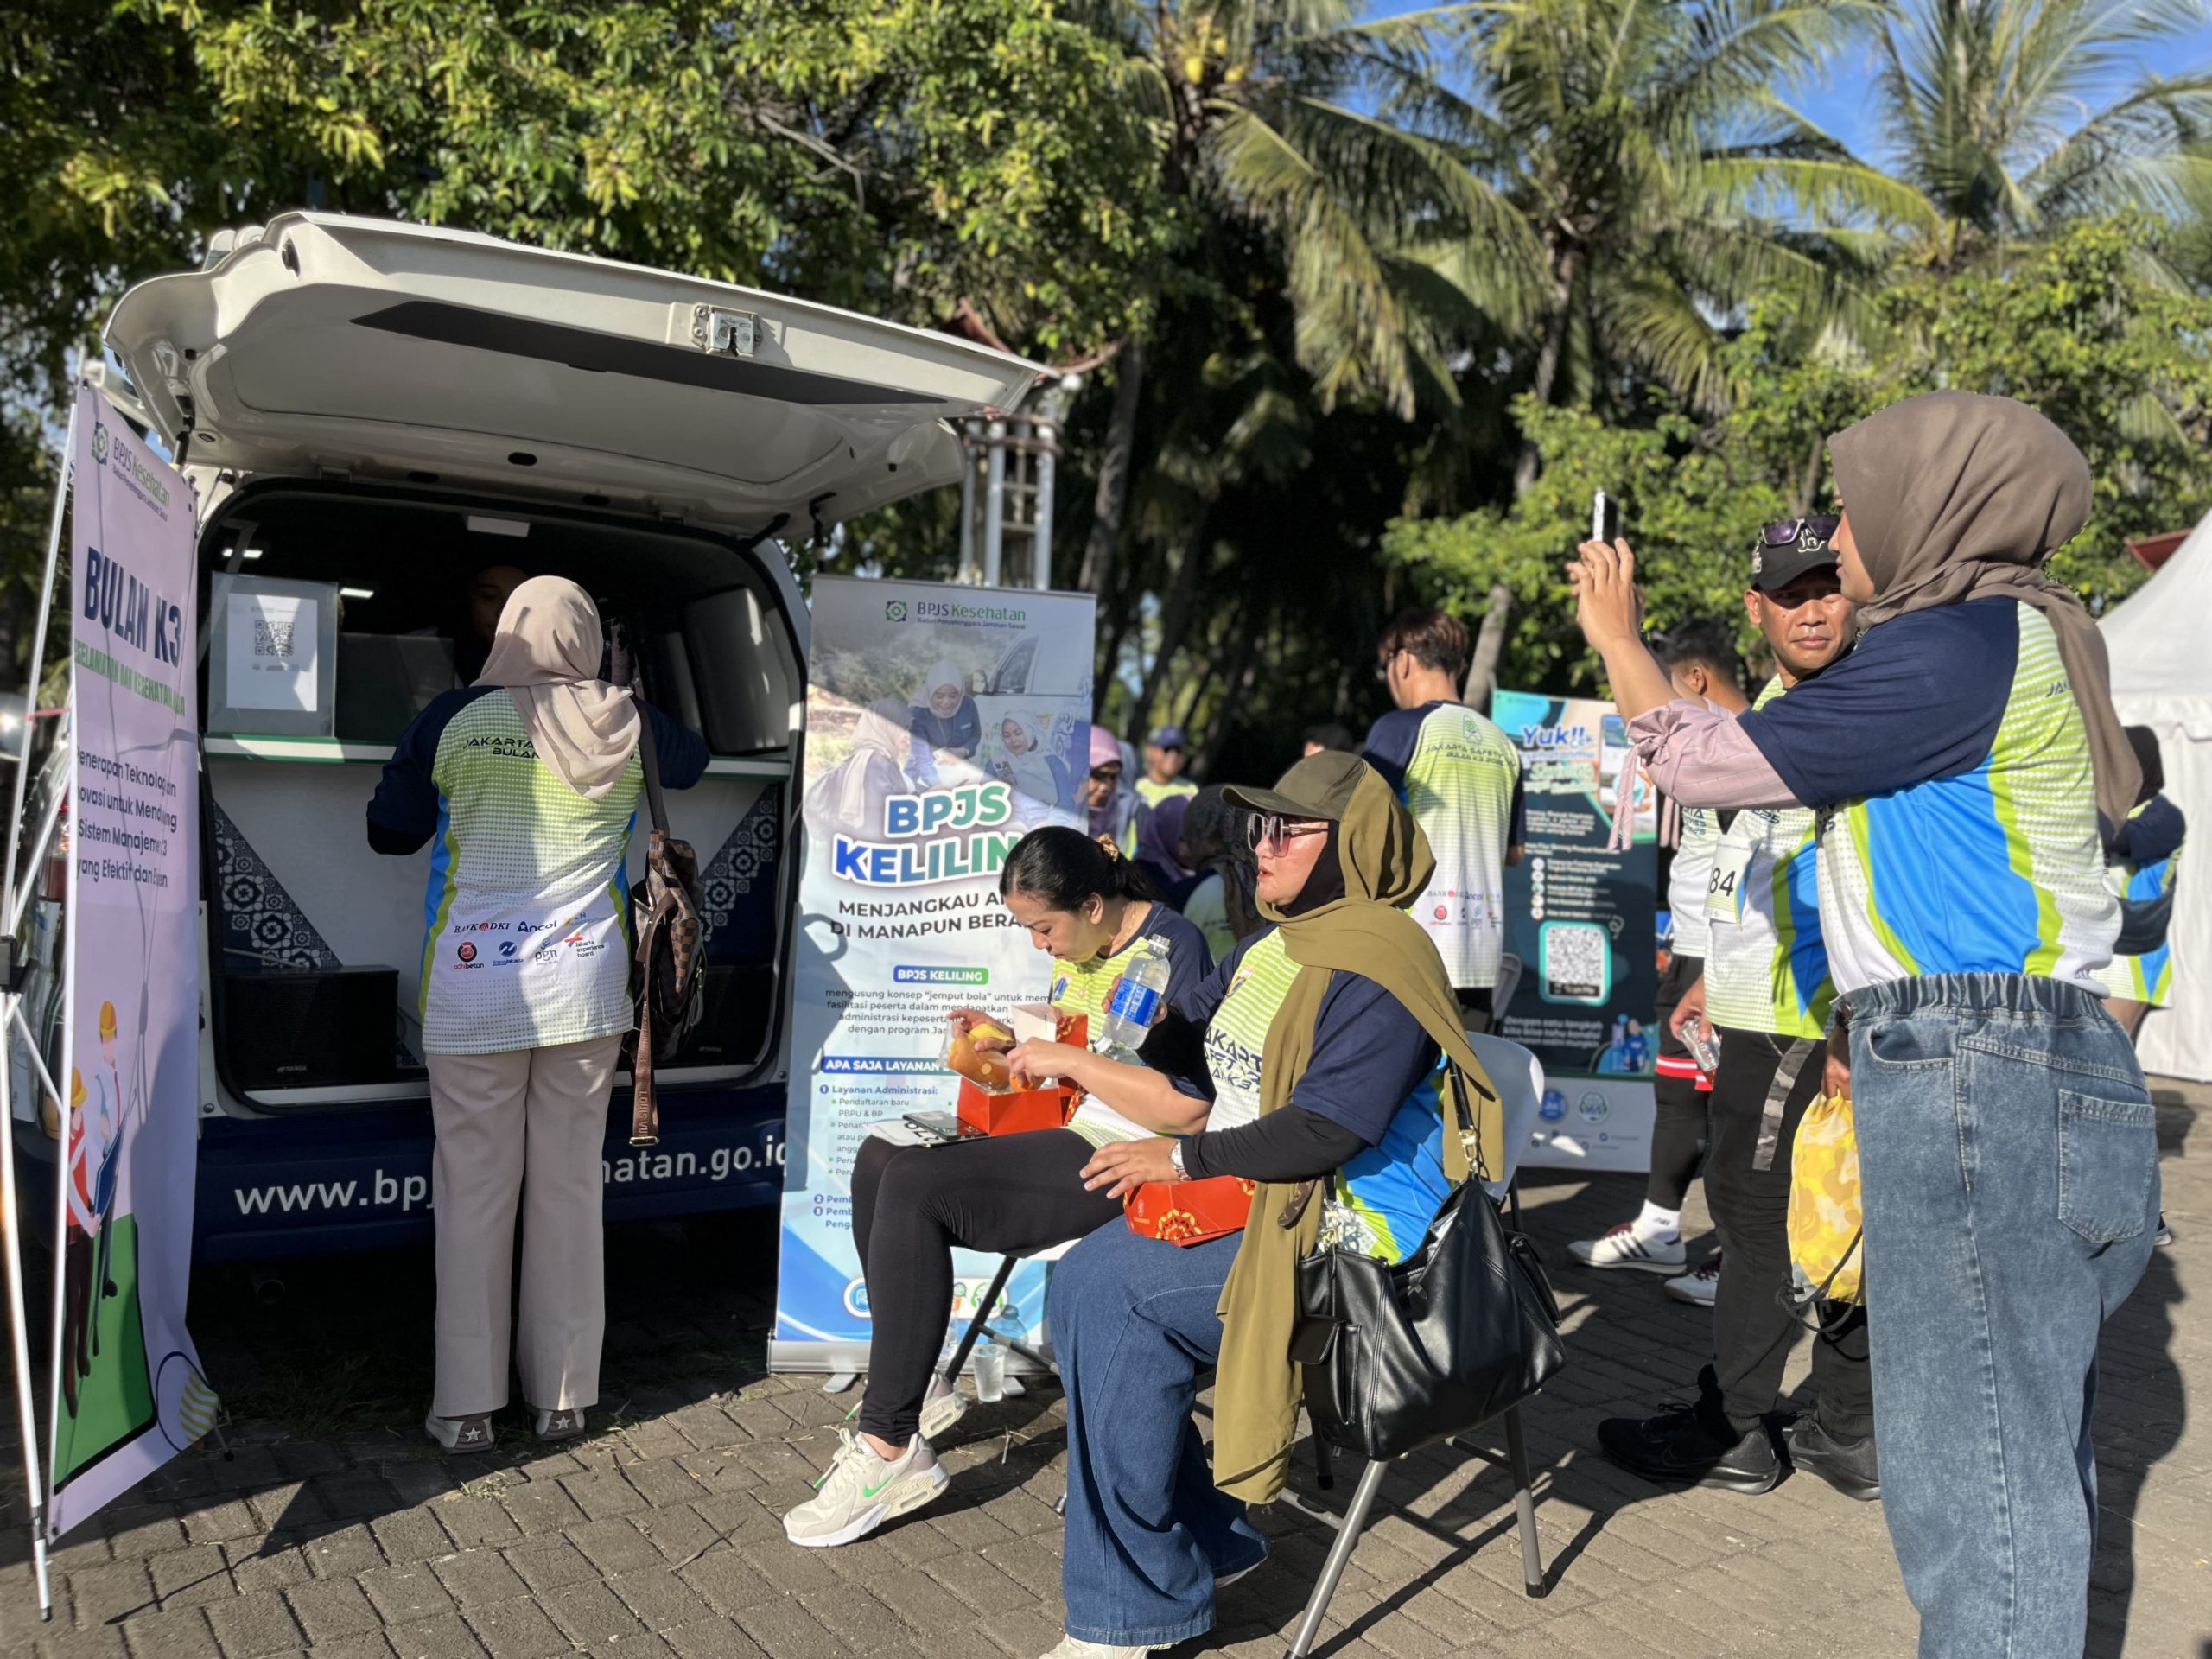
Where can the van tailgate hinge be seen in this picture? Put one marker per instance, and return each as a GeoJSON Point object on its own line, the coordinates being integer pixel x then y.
{"type": "Point", "coordinates": [733, 334]}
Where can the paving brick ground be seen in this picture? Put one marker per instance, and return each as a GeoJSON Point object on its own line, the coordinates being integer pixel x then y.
{"type": "Point", "coordinates": [331, 1527]}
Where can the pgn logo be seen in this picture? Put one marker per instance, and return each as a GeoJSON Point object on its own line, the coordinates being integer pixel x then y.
{"type": "Point", "coordinates": [895, 610]}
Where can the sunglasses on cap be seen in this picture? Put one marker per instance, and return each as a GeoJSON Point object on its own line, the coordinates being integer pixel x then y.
{"type": "Point", "coordinates": [1816, 530]}
{"type": "Point", "coordinates": [1265, 829]}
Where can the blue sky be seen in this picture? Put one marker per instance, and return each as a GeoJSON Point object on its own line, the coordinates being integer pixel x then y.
{"type": "Point", "coordinates": [1838, 106]}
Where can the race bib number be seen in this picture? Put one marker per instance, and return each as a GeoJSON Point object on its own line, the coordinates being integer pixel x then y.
{"type": "Point", "coordinates": [1723, 889]}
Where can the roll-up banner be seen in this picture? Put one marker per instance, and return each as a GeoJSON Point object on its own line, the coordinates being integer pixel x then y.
{"type": "Point", "coordinates": [943, 724]}
{"type": "Point", "coordinates": [1580, 916]}
{"type": "Point", "coordinates": [131, 1395]}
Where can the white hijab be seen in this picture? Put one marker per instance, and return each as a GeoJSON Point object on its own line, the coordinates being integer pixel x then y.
{"type": "Point", "coordinates": [546, 655]}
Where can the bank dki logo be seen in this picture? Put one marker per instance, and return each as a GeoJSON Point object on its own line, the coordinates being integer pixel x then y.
{"type": "Point", "coordinates": [895, 610]}
{"type": "Point", "coordinates": [100, 443]}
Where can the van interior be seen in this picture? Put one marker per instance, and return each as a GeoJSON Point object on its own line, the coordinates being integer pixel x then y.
{"type": "Point", "coordinates": [314, 942]}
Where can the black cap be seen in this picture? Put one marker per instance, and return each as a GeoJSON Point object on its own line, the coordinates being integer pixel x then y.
{"type": "Point", "coordinates": [1808, 549]}
{"type": "Point", "coordinates": [1319, 787]}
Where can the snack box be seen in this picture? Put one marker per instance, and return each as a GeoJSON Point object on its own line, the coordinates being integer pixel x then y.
{"type": "Point", "coordinates": [1192, 1212]}
{"type": "Point", "coordinates": [1013, 1111]}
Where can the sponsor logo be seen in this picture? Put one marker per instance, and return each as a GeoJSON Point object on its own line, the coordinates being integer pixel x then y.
{"type": "Point", "coordinates": [1593, 1107]}
{"type": "Point", "coordinates": [508, 948]}
{"type": "Point", "coordinates": [99, 442]}
{"type": "Point", "coordinates": [1443, 914]}
{"type": "Point", "coordinates": [895, 610]}
{"type": "Point", "coordinates": [466, 952]}
{"type": "Point", "coordinates": [1553, 1106]}
{"type": "Point", "coordinates": [130, 466]}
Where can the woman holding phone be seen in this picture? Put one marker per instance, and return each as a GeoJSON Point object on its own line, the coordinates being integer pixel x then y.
{"type": "Point", "coordinates": [1092, 910]}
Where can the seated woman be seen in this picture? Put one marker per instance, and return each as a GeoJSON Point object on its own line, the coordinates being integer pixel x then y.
{"type": "Point", "coordinates": [1087, 906]}
{"type": "Point", "coordinates": [1320, 1045]}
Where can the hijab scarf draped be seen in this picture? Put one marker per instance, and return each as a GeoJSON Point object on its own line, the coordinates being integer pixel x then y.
{"type": "Point", "coordinates": [546, 655]}
{"type": "Point", "coordinates": [1954, 496]}
{"type": "Point", "coordinates": [1385, 863]}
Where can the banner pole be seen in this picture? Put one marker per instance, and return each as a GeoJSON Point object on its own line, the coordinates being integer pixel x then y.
{"type": "Point", "coordinates": [38, 662]}
{"type": "Point", "coordinates": [16, 1028]}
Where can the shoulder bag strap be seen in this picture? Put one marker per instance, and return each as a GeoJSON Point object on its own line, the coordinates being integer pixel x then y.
{"type": "Point", "coordinates": [656, 807]}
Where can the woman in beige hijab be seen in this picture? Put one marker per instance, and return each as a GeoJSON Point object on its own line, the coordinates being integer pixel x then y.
{"type": "Point", "coordinates": [525, 787]}
{"type": "Point", "coordinates": [1961, 758]}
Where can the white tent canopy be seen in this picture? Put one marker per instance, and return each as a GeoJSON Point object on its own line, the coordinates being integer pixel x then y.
{"type": "Point", "coordinates": [2160, 642]}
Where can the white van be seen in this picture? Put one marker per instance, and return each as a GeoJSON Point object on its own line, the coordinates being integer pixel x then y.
{"type": "Point", "coordinates": [375, 413]}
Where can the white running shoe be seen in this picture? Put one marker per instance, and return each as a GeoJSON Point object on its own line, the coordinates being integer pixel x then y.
{"type": "Point", "coordinates": [1623, 1247]}
{"type": "Point", "coordinates": [861, 1491]}
{"type": "Point", "coordinates": [1075, 1647]}
{"type": "Point", "coordinates": [941, 1407]}
{"type": "Point", "coordinates": [1698, 1288]}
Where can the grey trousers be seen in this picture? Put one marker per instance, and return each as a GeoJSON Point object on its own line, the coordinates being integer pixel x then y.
{"type": "Point", "coordinates": [519, 1131]}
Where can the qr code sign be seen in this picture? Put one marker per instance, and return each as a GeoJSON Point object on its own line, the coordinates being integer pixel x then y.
{"type": "Point", "coordinates": [272, 638]}
{"type": "Point", "coordinates": [1577, 961]}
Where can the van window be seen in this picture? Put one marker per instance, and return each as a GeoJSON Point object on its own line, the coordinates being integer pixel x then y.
{"type": "Point", "coordinates": [748, 706]}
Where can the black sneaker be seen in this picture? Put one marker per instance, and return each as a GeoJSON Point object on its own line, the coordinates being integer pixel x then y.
{"type": "Point", "coordinates": [1686, 1446]}
{"type": "Point", "coordinates": [1846, 1465]}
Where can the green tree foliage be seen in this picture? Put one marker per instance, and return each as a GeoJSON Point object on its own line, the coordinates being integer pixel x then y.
{"type": "Point", "coordinates": [2120, 361]}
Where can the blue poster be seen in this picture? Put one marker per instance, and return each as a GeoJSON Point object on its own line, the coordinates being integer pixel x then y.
{"type": "Point", "coordinates": [943, 724]}
{"type": "Point", "coordinates": [1580, 916]}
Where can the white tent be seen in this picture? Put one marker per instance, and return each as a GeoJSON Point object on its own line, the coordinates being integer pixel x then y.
{"type": "Point", "coordinates": [2160, 641]}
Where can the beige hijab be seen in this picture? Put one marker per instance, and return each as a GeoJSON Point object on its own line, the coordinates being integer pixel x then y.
{"type": "Point", "coordinates": [546, 654]}
{"type": "Point", "coordinates": [1954, 496]}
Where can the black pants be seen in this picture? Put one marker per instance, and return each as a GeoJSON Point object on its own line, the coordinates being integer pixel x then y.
{"type": "Point", "coordinates": [1747, 1189]}
{"type": "Point", "coordinates": [1010, 1194]}
{"type": "Point", "coordinates": [1678, 1130]}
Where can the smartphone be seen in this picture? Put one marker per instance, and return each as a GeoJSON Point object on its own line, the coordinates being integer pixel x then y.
{"type": "Point", "coordinates": [941, 1128]}
{"type": "Point", "coordinates": [1604, 519]}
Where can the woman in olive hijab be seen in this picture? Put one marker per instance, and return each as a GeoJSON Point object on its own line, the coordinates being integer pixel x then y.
{"type": "Point", "coordinates": [1961, 757]}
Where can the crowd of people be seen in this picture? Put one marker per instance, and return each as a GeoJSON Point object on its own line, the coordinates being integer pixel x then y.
{"type": "Point", "coordinates": [1920, 866]}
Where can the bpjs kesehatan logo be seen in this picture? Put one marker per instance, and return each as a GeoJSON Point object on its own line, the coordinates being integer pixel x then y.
{"type": "Point", "coordinates": [126, 461]}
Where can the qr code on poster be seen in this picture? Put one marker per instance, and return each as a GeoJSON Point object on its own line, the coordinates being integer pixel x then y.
{"type": "Point", "coordinates": [272, 638]}
{"type": "Point", "coordinates": [1578, 962]}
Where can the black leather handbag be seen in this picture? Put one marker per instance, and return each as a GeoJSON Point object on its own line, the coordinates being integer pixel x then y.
{"type": "Point", "coordinates": [1397, 1358]}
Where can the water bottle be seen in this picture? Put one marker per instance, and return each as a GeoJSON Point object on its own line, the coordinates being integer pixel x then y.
{"type": "Point", "coordinates": [988, 1364]}
{"type": "Point", "coordinates": [1137, 1001]}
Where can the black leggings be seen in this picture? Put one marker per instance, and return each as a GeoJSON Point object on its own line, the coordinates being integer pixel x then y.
{"type": "Point", "coordinates": [1747, 1189]}
{"type": "Point", "coordinates": [1010, 1194]}
{"type": "Point", "coordinates": [1678, 1129]}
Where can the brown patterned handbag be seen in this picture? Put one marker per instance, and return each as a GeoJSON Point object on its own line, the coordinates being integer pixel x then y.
{"type": "Point", "coordinates": [669, 946]}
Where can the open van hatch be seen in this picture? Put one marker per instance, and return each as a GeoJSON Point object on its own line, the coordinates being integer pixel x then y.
{"type": "Point", "coordinates": [332, 344]}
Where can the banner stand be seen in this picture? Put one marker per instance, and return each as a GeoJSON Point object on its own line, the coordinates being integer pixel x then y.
{"type": "Point", "coordinates": [13, 899]}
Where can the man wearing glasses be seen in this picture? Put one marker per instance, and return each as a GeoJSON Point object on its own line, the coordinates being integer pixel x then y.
{"type": "Point", "coordinates": [1460, 778]}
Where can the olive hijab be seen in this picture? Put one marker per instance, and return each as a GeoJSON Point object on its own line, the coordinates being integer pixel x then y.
{"type": "Point", "coordinates": [1385, 863]}
{"type": "Point", "coordinates": [1954, 496]}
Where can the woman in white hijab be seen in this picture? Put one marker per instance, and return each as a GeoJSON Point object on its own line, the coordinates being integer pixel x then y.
{"type": "Point", "coordinates": [528, 783]}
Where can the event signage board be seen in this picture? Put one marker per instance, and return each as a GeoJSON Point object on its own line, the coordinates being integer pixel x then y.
{"type": "Point", "coordinates": [130, 1392]}
{"type": "Point", "coordinates": [1580, 916]}
{"type": "Point", "coordinates": [943, 724]}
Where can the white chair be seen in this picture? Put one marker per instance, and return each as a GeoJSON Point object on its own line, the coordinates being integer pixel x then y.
{"type": "Point", "coordinates": [1518, 1076]}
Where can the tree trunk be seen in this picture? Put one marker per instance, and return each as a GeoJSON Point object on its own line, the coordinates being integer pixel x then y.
{"type": "Point", "coordinates": [1235, 686]}
{"type": "Point", "coordinates": [1109, 507]}
{"type": "Point", "coordinates": [1175, 613]}
{"type": "Point", "coordinates": [1549, 356]}
{"type": "Point", "coordinates": [1489, 647]}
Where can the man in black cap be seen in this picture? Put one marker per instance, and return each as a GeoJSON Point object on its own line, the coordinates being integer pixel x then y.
{"type": "Point", "coordinates": [1767, 992]}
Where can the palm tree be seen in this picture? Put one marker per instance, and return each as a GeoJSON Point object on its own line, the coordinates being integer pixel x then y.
{"type": "Point", "coordinates": [2009, 118]}
{"type": "Point", "coordinates": [1658, 180]}
{"type": "Point", "coordinates": [1267, 123]}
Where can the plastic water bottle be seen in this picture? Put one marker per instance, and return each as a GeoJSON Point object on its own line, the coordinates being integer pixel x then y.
{"type": "Point", "coordinates": [988, 1364]}
{"type": "Point", "coordinates": [1137, 1001]}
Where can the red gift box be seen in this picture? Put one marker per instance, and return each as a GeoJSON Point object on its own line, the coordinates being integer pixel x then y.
{"type": "Point", "coordinates": [1012, 1111]}
{"type": "Point", "coordinates": [1192, 1212]}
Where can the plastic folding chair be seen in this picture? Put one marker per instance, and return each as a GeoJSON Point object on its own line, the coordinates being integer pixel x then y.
{"type": "Point", "coordinates": [1519, 1078]}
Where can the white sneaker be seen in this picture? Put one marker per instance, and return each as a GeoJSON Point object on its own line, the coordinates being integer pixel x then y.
{"type": "Point", "coordinates": [941, 1407]}
{"type": "Point", "coordinates": [861, 1491]}
{"type": "Point", "coordinates": [1697, 1288]}
{"type": "Point", "coordinates": [1623, 1247]}
{"type": "Point", "coordinates": [1075, 1647]}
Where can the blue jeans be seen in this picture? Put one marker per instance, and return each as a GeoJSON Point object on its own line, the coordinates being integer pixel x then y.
{"type": "Point", "coordinates": [2009, 1163]}
{"type": "Point", "coordinates": [1132, 1324]}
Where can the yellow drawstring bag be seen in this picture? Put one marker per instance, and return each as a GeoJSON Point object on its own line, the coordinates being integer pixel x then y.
{"type": "Point", "coordinates": [1826, 1223]}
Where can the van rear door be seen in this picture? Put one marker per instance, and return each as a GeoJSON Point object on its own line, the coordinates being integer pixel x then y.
{"type": "Point", "coordinates": [323, 345]}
